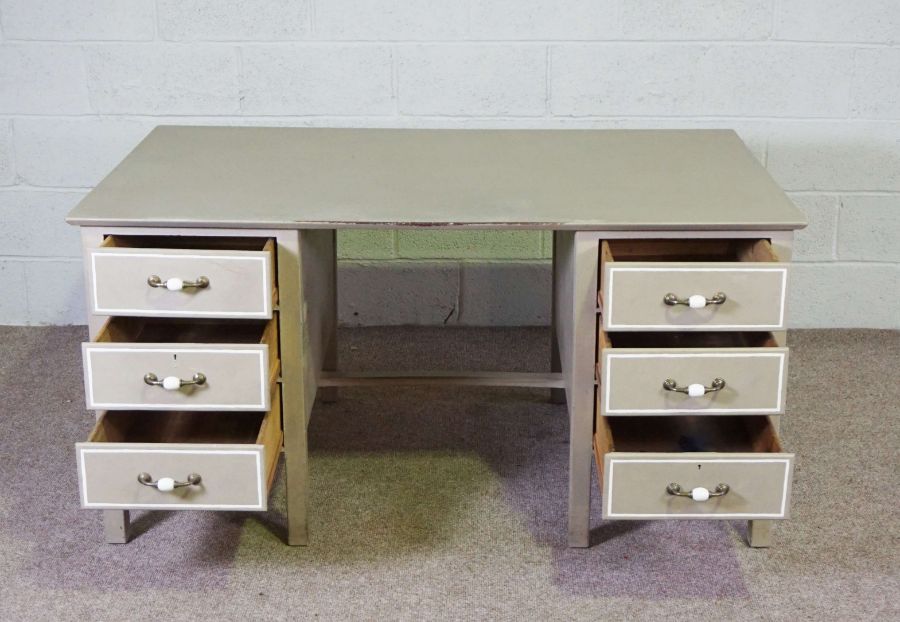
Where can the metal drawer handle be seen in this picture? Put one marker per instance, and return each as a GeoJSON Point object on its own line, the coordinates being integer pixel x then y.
{"type": "Point", "coordinates": [167, 484]}
{"type": "Point", "coordinates": [694, 390]}
{"type": "Point", "coordinates": [698, 494]}
{"type": "Point", "coordinates": [173, 383]}
{"type": "Point", "coordinates": [696, 301]}
{"type": "Point", "coordinates": [175, 284]}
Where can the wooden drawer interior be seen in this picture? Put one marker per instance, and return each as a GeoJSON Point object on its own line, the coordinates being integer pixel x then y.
{"type": "Point", "coordinates": [220, 427]}
{"type": "Point", "coordinates": [740, 434]}
{"type": "Point", "coordinates": [727, 250]}
{"type": "Point", "coordinates": [212, 243]}
{"type": "Point", "coordinates": [177, 330]}
{"type": "Point", "coordinates": [737, 339]}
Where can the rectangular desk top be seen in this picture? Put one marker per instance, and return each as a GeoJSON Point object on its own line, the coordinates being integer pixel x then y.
{"type": "Point", "coordinates": [299, 178]}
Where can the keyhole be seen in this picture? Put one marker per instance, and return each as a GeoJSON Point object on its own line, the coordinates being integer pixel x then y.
{"type": "Point", "coordinates": [175, 356]}
{"type": "Point", "coordinates": [698, 467]}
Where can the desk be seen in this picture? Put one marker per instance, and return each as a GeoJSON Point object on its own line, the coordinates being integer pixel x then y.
{"type": "Point", "coordinates": [237, 225]}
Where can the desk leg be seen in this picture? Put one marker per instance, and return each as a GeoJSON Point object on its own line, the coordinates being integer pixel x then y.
{"type": "Point", "coordinates": [557, 396]}
{"type": "Point", "coordinates": [294, 375]}
{"type": "Point", "coordinates": [577, 271]}
{"type": "Point", "coordinates": [115, 526]}
{"type": "Point", "coordinates": [115, 522]}
{"type": "Point", "coordinates": [759, 533]}
{"type": "Point", "coordinates": [330, 323]}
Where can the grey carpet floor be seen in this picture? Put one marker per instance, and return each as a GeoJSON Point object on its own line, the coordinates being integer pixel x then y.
{"type": "Point", "coordinates": [450, 504]}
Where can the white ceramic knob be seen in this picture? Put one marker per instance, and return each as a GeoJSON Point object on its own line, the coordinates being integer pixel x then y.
{"type": "Point", "coordinates": [175, 284]}
{"type": "Point", "coordinates": [171, 383]}
{"type": "Point", "coordinates": [695, 302]}
{"type": "Point", "coordinates": [167, 484]}
{"type": "Point", "coordinates": [694, 390]}
{"type": "Point", "coordinates": [697, 494]}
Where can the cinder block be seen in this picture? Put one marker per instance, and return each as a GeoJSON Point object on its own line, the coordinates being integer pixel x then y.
{"type": "Point", "coordinates": [836, 156]}
{"type": "Point", "coordinates": [42, 79]}
{"type": "Point", "coordinates": [80, 20]}
{"type": "Point", "coordinates": [365, 244]}
{"type": "Point", "coordinates": [844, 295]}
{"type": "Point", "coordinates": [7, 169]}
{"type": "Point", "coordinates": [696, 19]}
{"type": "Point", "coordinates": [55, 292]}
{"type": "Point", "coordinates": [317, 79]}
{"type": "Point", "coordinates": [14, 301]}
{"type": "Point", "coordinates": [876, 86]}
{"type": "Point", "coordinates": [505, 294]}
{"type": "Point", "coordinates": [525, 20]}
{"type": "Point", "coordinates": [247, 20]}
{"type": "Point", "coordinates": [816, 241]}
{"type": "Point", "coordinates": [876, 21]}
{"type": "Point", "coordinates": [869, 229]}
{"type": "Point", "coordinates": [391, 20]}
{"type": "Point", "coordinates": [73, 153]}
{"type": "Point", "coordinates": [397, 293]}
{"type": "Point", "coordinates": [474, 80]}
{"type": "Point", "coordinates": [547, 244]}
{"type": "Point", "coordinates": [669, 79]}
{"type": "Point", "coordinates": [34, 224]}
{"type": "Point", "coordinates": [477, 244]}
{"type": "Point", "coordinates": [163, 79]}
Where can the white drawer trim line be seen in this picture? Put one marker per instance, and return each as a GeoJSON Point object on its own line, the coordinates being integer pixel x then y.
{"type": "Point", "coordinates": [612, 275]}
{"type": "Point", "coordinates": [784, 488]}
{"type": "Point", "coordinates": [265, 313]}
{"type": "Point", "coordinates": [152, 506]}
{"type": "Point", "coordinates": [144, 405]}
{"type": "Point", "coordinates": [606, 388]}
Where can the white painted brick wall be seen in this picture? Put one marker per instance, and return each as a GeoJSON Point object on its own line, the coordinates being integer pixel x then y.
{"type": "Point", "coordinates": [7, 171]}
{"type": "Point", "coordinates": [42, 79]}
{"type": "Point", "coordinates": [30, 219]}
{"type": "Point", "coordinates": [708, 79]}
{"type": "Point", "coordinates": [317, 80]}
{"type": "Point", "coordinates": [524, 20]}
{"type": "Point", "coordinates": [472, 80]}
{"type": "Point", "coordinates": [812, 86]}
{"type": "Point", "coordinates": [163, 78]}
{"type": "Point", "coordinates": [390, 20]}
{"type": "Point", "coordinates": [247, 20]}
{"type": "Point", "coordinates": [712, 20]}
{"type": "Point", "coordinates": [876, 85]}
{"type": "Point", "coordinates": [860, 21]}
{"type": "Point", "coordinates": [73, 152]}
{"type": "Point", "coordinates": [78, 20]}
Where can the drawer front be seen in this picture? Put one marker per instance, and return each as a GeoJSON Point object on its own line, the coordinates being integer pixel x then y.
{"type": "Point", "coordinates": [633, 295]}
{"type": "Point", "coordinates": [240, 283]}
{"type": "Point", "coordinates": [237, 377]}
{"type": "Point", "coordinates": [634, 485]}
{"type": "Point", "coordinates": [631, 380]}
{"type": "Point", "coordinates": [233, 476]}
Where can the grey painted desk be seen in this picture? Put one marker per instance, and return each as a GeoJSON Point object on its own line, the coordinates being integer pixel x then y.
{"type": "Point", "coordinates": [686, 211]}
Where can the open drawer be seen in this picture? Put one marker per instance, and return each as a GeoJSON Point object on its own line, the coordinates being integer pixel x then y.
{"type": "Point", "coordinates": [692, 467]}
{"type": "Point", "coordinates": [180, 460]}
{"type": "Point", "coordinates": [172, 276]}
{"type": "Point", "coordinates": [159, 364]}
{"type": "Point", "coordinates": [706, 373]}
{"type": "Point", "coordinates": [679, 285]}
